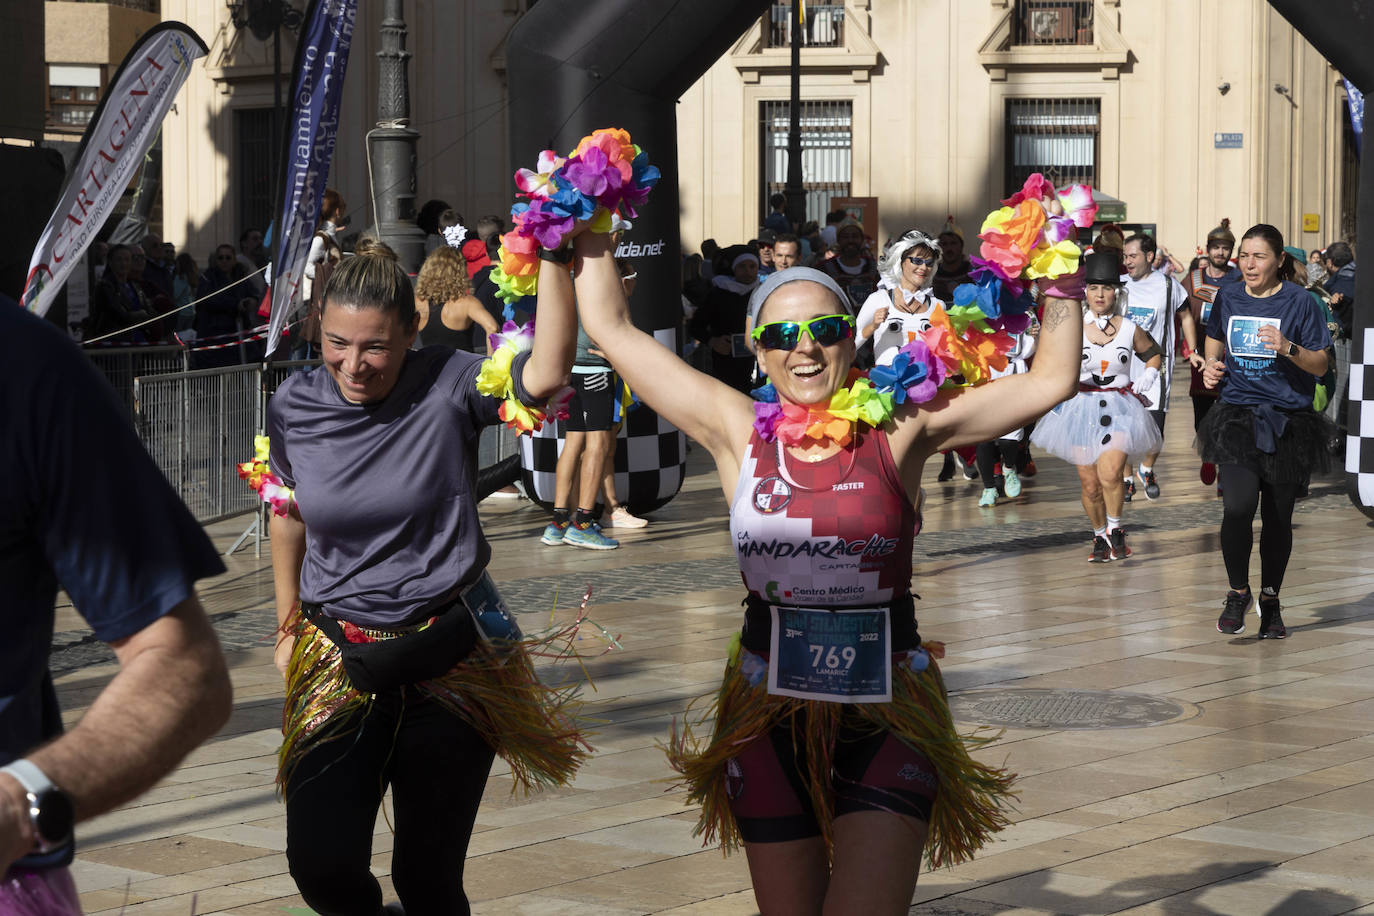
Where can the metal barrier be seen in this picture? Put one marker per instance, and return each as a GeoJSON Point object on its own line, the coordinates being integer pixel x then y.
{"type": "Point", "coordinates": [121, 365]}
{"type": "Point", "coordinates": [199, 425]}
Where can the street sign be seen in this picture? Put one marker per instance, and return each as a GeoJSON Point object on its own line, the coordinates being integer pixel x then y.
{"type": "Point", "coordinates": [1226, 141]}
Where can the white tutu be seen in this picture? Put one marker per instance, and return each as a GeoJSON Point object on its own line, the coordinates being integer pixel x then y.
{"type": "Point", "coordinates": [1091, 422]}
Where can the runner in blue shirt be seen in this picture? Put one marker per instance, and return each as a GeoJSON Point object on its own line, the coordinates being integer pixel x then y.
{"type": "Point", "coordinates": [1267, 345]}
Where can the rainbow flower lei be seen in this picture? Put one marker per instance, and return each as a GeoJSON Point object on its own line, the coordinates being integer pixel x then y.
{"type": "Point", "coordinates": [494, 380]}
{"type": "Point", "coordinates": [606, 173]}
{"type": "Point", "coordinates": [264, 481]}
{"type": "Point", "coordinates": [1029, 238]}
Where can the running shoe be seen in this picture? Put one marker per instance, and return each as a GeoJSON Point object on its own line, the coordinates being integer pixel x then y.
{"type": "Point", "coordinates": [1271, 619]}
{"type": "Point", "coordinates": [989, 498]}
{"type": "Point", "coordinates": [554, 534]}
{"type": "Point", "coordinates": [1029, 470]}
{"type": "Point", "coordinates": [590, 538]}
{"type": "Point", "coordinates": [947, 470]}
{"type": "Point", "coordinates": [1119, 549]}
{"type": "Point", "coordinates": [1011, 484]}
{"type": "Point", "coordinates": [1151, 484]}
{"type": "Point", "coordinates": [620, 517]}
{"type": "Point", "coordinates": [1208, 473]}
{"type": "Point", "coordinates": [1129, 484]}
{"type": "Point", "coordinates": [1232, 619]}
{"type": "Point", "coordinates": [1102, 551]}
{"type": "Point", "coordinates": [970, 471]}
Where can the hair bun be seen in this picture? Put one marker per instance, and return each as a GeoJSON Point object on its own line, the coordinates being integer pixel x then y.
{"type": "Point", "coordinates": [375, 248]}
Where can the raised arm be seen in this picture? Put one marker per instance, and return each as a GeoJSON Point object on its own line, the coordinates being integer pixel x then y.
{"type": "Point", "coordinates": [967, 416]}
{"type": "Point", "coordinates": [555, 333]}
{"type": "Point", "coordinates": [709, 411]}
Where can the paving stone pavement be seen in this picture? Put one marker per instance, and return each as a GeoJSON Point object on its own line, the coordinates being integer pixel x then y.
{"type": "Point", "coordinates": [1259, 800]}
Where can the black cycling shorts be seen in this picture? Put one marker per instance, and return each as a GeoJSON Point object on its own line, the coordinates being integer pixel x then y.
{"type": "Point", "coordinates": [593, 401]}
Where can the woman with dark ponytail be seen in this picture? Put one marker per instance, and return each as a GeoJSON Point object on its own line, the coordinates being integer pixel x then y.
{"type": "Point", "coordinates": [1266, 347]}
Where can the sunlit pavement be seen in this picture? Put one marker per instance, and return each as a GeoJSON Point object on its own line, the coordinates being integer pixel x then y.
{"type": "Point", "coordinates": [1202, 773]}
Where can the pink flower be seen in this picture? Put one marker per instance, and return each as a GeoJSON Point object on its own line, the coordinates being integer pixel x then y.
{"type": "Point", "coordinates": [1037, 187]}
{"type": "Point", "coordinates": [536, 184]}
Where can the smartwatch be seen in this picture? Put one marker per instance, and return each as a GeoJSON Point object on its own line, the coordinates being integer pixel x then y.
{"type": "Point", "coordinates": [1292, 349]}
{"type": "Point", "coordinates": [561, 255]}
{"type": "Point", "coordinates": [50, 810]}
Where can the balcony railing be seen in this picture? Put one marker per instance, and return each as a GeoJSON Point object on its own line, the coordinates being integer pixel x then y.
{"type": "Point", "coordinates": [1054, 22]}
{"type": "Point", "coordinates": [824, 27]}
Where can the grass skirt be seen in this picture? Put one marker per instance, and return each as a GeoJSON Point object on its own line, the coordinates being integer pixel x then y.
{"type": "Point", "coordinates": [972, 800]}
{"type": "Point", "coordinates": [1227, 436]}
{"type": "Point", "coordinates": [529, 724]}
{"type": "Point", "coordinates": [1080, 429]}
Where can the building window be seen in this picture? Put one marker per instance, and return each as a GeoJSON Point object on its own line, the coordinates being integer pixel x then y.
{"type": "Point", "coordinates": [824, 27]}
{"type": "Point", "coordinates": [253, 145]}
{"type": "Point", "coordinates": [1054, 22]}
{"type": "Point", "coordinates": [827, 142]}
{"type": "Point", "coordinates": [73, 92]}
{"type": "Point", "coordinates": [1057, 137]}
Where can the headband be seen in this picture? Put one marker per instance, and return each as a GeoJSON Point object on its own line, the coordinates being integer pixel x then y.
{"type": "Point", "coordinates": [791, 275]}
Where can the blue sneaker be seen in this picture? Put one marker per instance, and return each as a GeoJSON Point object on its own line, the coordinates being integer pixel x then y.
{"type": "Point", "coordinates": [589, 537]}
{"type": "Point", "coordinates": [554, 533]}
{"type": "Point", "coordinates": [1012, 483]}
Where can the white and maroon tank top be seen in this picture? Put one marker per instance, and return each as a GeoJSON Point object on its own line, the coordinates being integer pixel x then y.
{"type": "Point", "coordinates": [833, 533]}
{"type": "Point", "coordinates": [1108, 365]}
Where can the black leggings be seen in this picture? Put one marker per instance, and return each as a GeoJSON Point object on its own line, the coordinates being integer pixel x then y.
{"type": "Point", "coordinates": [1242, 493]}
{"type": "Point", "coordinates": [988, 453]}
{"type": "Point", "coordinates": [437, 767]}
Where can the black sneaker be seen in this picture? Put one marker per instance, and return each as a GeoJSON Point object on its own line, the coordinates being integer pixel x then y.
{"type": "Point", "coordinates": [1271, 620]}
{"type": "Point", "coordinates": [970, 472]}
{"type": "Point", "coordinates": [947, 470]}
{"type": "Point", "coordinates": [1129, 484]}
{"type": "Point", "coordinates": [1119, 549]}
{"type": "Point", "coordinates": [1232, 619]}
{"type": "Point", "coordinates": [1102, 551]}
{"type": "Point", "coordinates": [1151, 485]}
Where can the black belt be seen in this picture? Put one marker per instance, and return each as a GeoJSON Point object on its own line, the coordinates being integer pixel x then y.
{"type": "Point", "coordinates": [757, 634]}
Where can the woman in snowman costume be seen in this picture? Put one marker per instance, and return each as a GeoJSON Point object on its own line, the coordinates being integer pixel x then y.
{"type": "Point", "coordinates": [1108, 421]}
{"type": "Point", "coordinates": [900, 307]}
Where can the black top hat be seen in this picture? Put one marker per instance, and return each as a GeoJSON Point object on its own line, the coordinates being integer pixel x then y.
{"type": "Point", "coordinates": [1102, 266]}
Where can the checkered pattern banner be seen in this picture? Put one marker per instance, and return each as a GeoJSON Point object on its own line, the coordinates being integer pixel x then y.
{"type": "Point", "coordinates": [650, 456]}
{"type": "Point", "coordinates": [1359, 447]}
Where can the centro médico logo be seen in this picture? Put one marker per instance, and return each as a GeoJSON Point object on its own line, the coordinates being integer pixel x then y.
{"type": "Point", "coordinates": [635, 250]}
{"type": "Point", "coordinates": [770, 591]}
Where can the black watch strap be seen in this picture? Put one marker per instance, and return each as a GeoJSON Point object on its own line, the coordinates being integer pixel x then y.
{"type": "Point", "coordinates": [1292, 349]}
{"type": "Point", "coordinates": [561, 255]}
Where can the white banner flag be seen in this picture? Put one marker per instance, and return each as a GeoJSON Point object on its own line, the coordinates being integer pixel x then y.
{"type": "Point", "coordinates": [112, 149]}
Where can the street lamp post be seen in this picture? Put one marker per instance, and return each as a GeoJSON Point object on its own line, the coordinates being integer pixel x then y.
{"type": "Point", "coordinates": [796, 193]}
{"type": "Point", "coordinates": [391, 146]}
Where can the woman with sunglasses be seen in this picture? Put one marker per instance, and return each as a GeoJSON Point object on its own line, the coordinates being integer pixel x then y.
{"type": "Point", "coordinates": [822, 519]}
{"type": "Point", "coordinates": [900, 307]}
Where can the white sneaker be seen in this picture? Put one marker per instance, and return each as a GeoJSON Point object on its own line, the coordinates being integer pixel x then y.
{"type": "Point", "coordinates": [620, 517]}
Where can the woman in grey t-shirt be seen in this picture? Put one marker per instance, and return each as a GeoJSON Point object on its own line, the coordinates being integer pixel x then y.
{"type": "Point", "coordinates": [383, 543]}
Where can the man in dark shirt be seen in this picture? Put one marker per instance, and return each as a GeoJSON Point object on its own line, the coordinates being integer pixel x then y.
{"type": "Point", "coordinates": [82, 505]}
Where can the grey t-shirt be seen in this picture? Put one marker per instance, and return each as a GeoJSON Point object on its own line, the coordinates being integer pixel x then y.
{"type": "Point", "coordinates": [386, 489]}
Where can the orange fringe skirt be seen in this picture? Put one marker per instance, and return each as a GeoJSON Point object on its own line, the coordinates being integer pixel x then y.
{"type": "Point", "coordinates": [973, 798]}
{"type": "Point", "coordinates": [529, 724]}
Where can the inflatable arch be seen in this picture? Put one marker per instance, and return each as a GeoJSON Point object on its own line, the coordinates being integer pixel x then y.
{"type": "Point", "coordinates": [574, 66]}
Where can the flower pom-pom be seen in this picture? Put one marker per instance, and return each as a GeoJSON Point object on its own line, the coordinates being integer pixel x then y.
{"type": "Point", "coordinates": [766, 417]}
{"type": "Point", "coordinates": [932, 371]}
{"type": "Point", "coordinates": [263, 481]}
{"type": "Point", "coordinates": [1079, 206]}
{"type": "Point", "coordinates": [1037, 187]}
{"type": "Point", "coordinates": [455, 235]}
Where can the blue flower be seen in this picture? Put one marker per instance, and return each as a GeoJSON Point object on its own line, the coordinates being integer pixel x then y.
{"type": "Point", "coordinates": [904, 373]}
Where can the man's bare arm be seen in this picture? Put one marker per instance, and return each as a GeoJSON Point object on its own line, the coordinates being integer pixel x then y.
{"type": "Point", "coordinates": [171, 693]}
